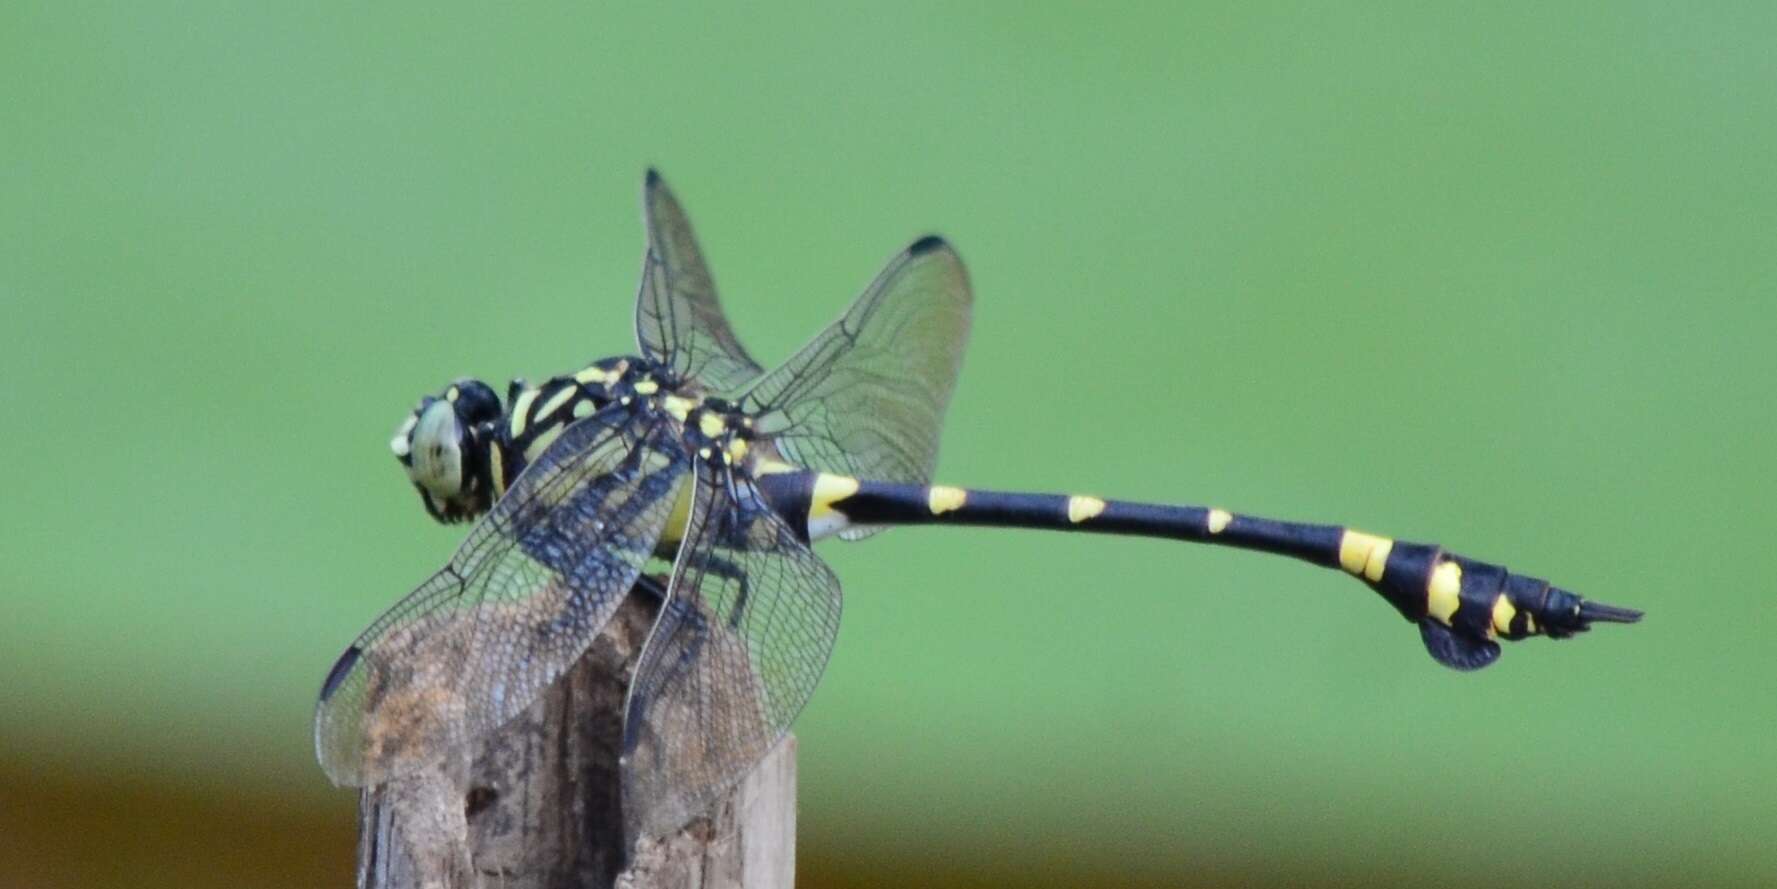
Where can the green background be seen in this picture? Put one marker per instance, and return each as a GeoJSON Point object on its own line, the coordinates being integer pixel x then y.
{"type": "Point", "coordinates": [1499, 277]}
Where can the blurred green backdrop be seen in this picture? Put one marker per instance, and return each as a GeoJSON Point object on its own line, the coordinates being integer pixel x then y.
{"type": "Point", "coordinates": [1500, 277]}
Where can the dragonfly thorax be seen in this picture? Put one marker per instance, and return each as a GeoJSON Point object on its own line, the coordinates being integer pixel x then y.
{"type": "Point", "coordinates": [462, 448]}
{"type": "Point", "coordinates": [715, 430]}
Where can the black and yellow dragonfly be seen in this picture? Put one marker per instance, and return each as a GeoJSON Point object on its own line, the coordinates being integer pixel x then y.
{"type": "Point", "coordinates": [691, 452]}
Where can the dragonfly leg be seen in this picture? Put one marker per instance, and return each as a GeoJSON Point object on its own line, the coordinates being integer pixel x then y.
{"type": "Point", "coordinates": [685, 630]}
{"type": "Point", "coordinates": [725, 569]}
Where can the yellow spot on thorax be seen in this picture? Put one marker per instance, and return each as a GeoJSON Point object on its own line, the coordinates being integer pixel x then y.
{"type": "Point", "coordinates": [647, 387]}
{"type": "Point", "coordinates": [1080, 508]}
{"type": "Point", "coordinates": [453, 394]}
{"type": "Point", "coordinates": [711, 425]}
{"type": "Point", "coordinates": [596, 375]}
{"type": "Point", "coordinates": [943, 498]}
{"type": "Point", "coordinates": [1364, 555]}
{"type": "Point", "coordinates": [521, 407]}
{"type": "Point", "coordinates": [768, 466]}
{"type": "Point", "coordinates": [1503, 612]}
{"type": "Point", "coordinates": [737, 450]}
{"type": "Point", "coordinates": [828, 490]}
{"type": "Point", "coordinates": [584, 408]}
{"type": "Point", "coordinates": [678, 406]}
{"type": "Point", "coordinates": [1218, 520]}
{"type": "Point", "coordinates": [1443, 595]}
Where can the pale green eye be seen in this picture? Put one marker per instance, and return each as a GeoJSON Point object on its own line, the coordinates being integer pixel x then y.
{"type": "Point", "coordinates": [436, 450]}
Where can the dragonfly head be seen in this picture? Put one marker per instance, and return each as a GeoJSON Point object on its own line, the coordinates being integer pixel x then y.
{"type": "Point", "coordinates": [444, 445]}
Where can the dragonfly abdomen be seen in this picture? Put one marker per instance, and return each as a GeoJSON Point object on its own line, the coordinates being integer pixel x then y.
{"type": "Point", "coordinates": [1461, 605]}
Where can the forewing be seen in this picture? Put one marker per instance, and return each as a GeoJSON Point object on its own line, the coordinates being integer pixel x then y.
{"type": "Point", "coordinates": [749, 622]}
{"type": "Point", "coordinates": [679, 321]}
{"type": "Point", "coordinates": [867, 396]}
{"type": "Point", "coordinates": [519, 602]}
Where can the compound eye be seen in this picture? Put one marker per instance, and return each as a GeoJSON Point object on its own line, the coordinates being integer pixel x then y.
{"type": "Point", "coordinates": [435, 458]}
{"type": "Point", "coordinates": [475, 401]}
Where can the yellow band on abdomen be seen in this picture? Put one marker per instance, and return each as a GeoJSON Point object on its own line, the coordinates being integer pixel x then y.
{"type": "Point", "coordinates": [1364, 555]}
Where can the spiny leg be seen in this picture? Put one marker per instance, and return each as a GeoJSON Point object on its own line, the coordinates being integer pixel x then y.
{"type": "Point", "coordinates": [720, 567]}
{"type": "Point", "coordinates": [682, 619]}
{"type": "Point", "coordinates": [683, 622]}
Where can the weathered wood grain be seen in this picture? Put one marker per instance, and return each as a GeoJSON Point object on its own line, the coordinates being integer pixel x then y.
{"type": "Point", "coordinates": [538, 807]}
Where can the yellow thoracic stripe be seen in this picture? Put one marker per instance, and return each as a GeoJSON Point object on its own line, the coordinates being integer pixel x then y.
{"type": "Point", "coordinates": [1080, 508]}
{"type": "Point", "coordinates": [521, 406]}
{"type": "Point", "coordinates": [536, 448]}
{"type": "Point", "coordinates": [943, 498]}
{"type": "Point", "coordinates": [497, 468]}
{"type": "Point", "coordinates": [597, 375]}
{"type": "Point", "coordinates": [556, 401]}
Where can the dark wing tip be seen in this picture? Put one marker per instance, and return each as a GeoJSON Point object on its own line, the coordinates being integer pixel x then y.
{"type": "Point", "coordinates": [652, 177]}
{"type": "Point", "coordinates": [926, 245]}
{"type": "Point", "coordinates": [338, 674]}
{"type": "Point", "coordinates": [1590, 611]}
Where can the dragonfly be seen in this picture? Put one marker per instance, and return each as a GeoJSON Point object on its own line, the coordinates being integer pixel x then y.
{"type": "Point", "coordinates": [690, 453]}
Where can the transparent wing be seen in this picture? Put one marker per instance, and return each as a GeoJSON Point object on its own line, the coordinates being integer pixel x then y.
{"type": "Point", "coordinates": [742, 639]}
{"type": "Point", "coordinates": [519, 602]}
{"type": "Point", "coordinates": [867, 396]}
{"type": "Point", "coordinates": [679, 322]}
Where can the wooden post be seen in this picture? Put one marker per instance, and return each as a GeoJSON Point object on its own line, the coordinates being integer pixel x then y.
{"type": "Point", "coordinates": [538, 807]}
